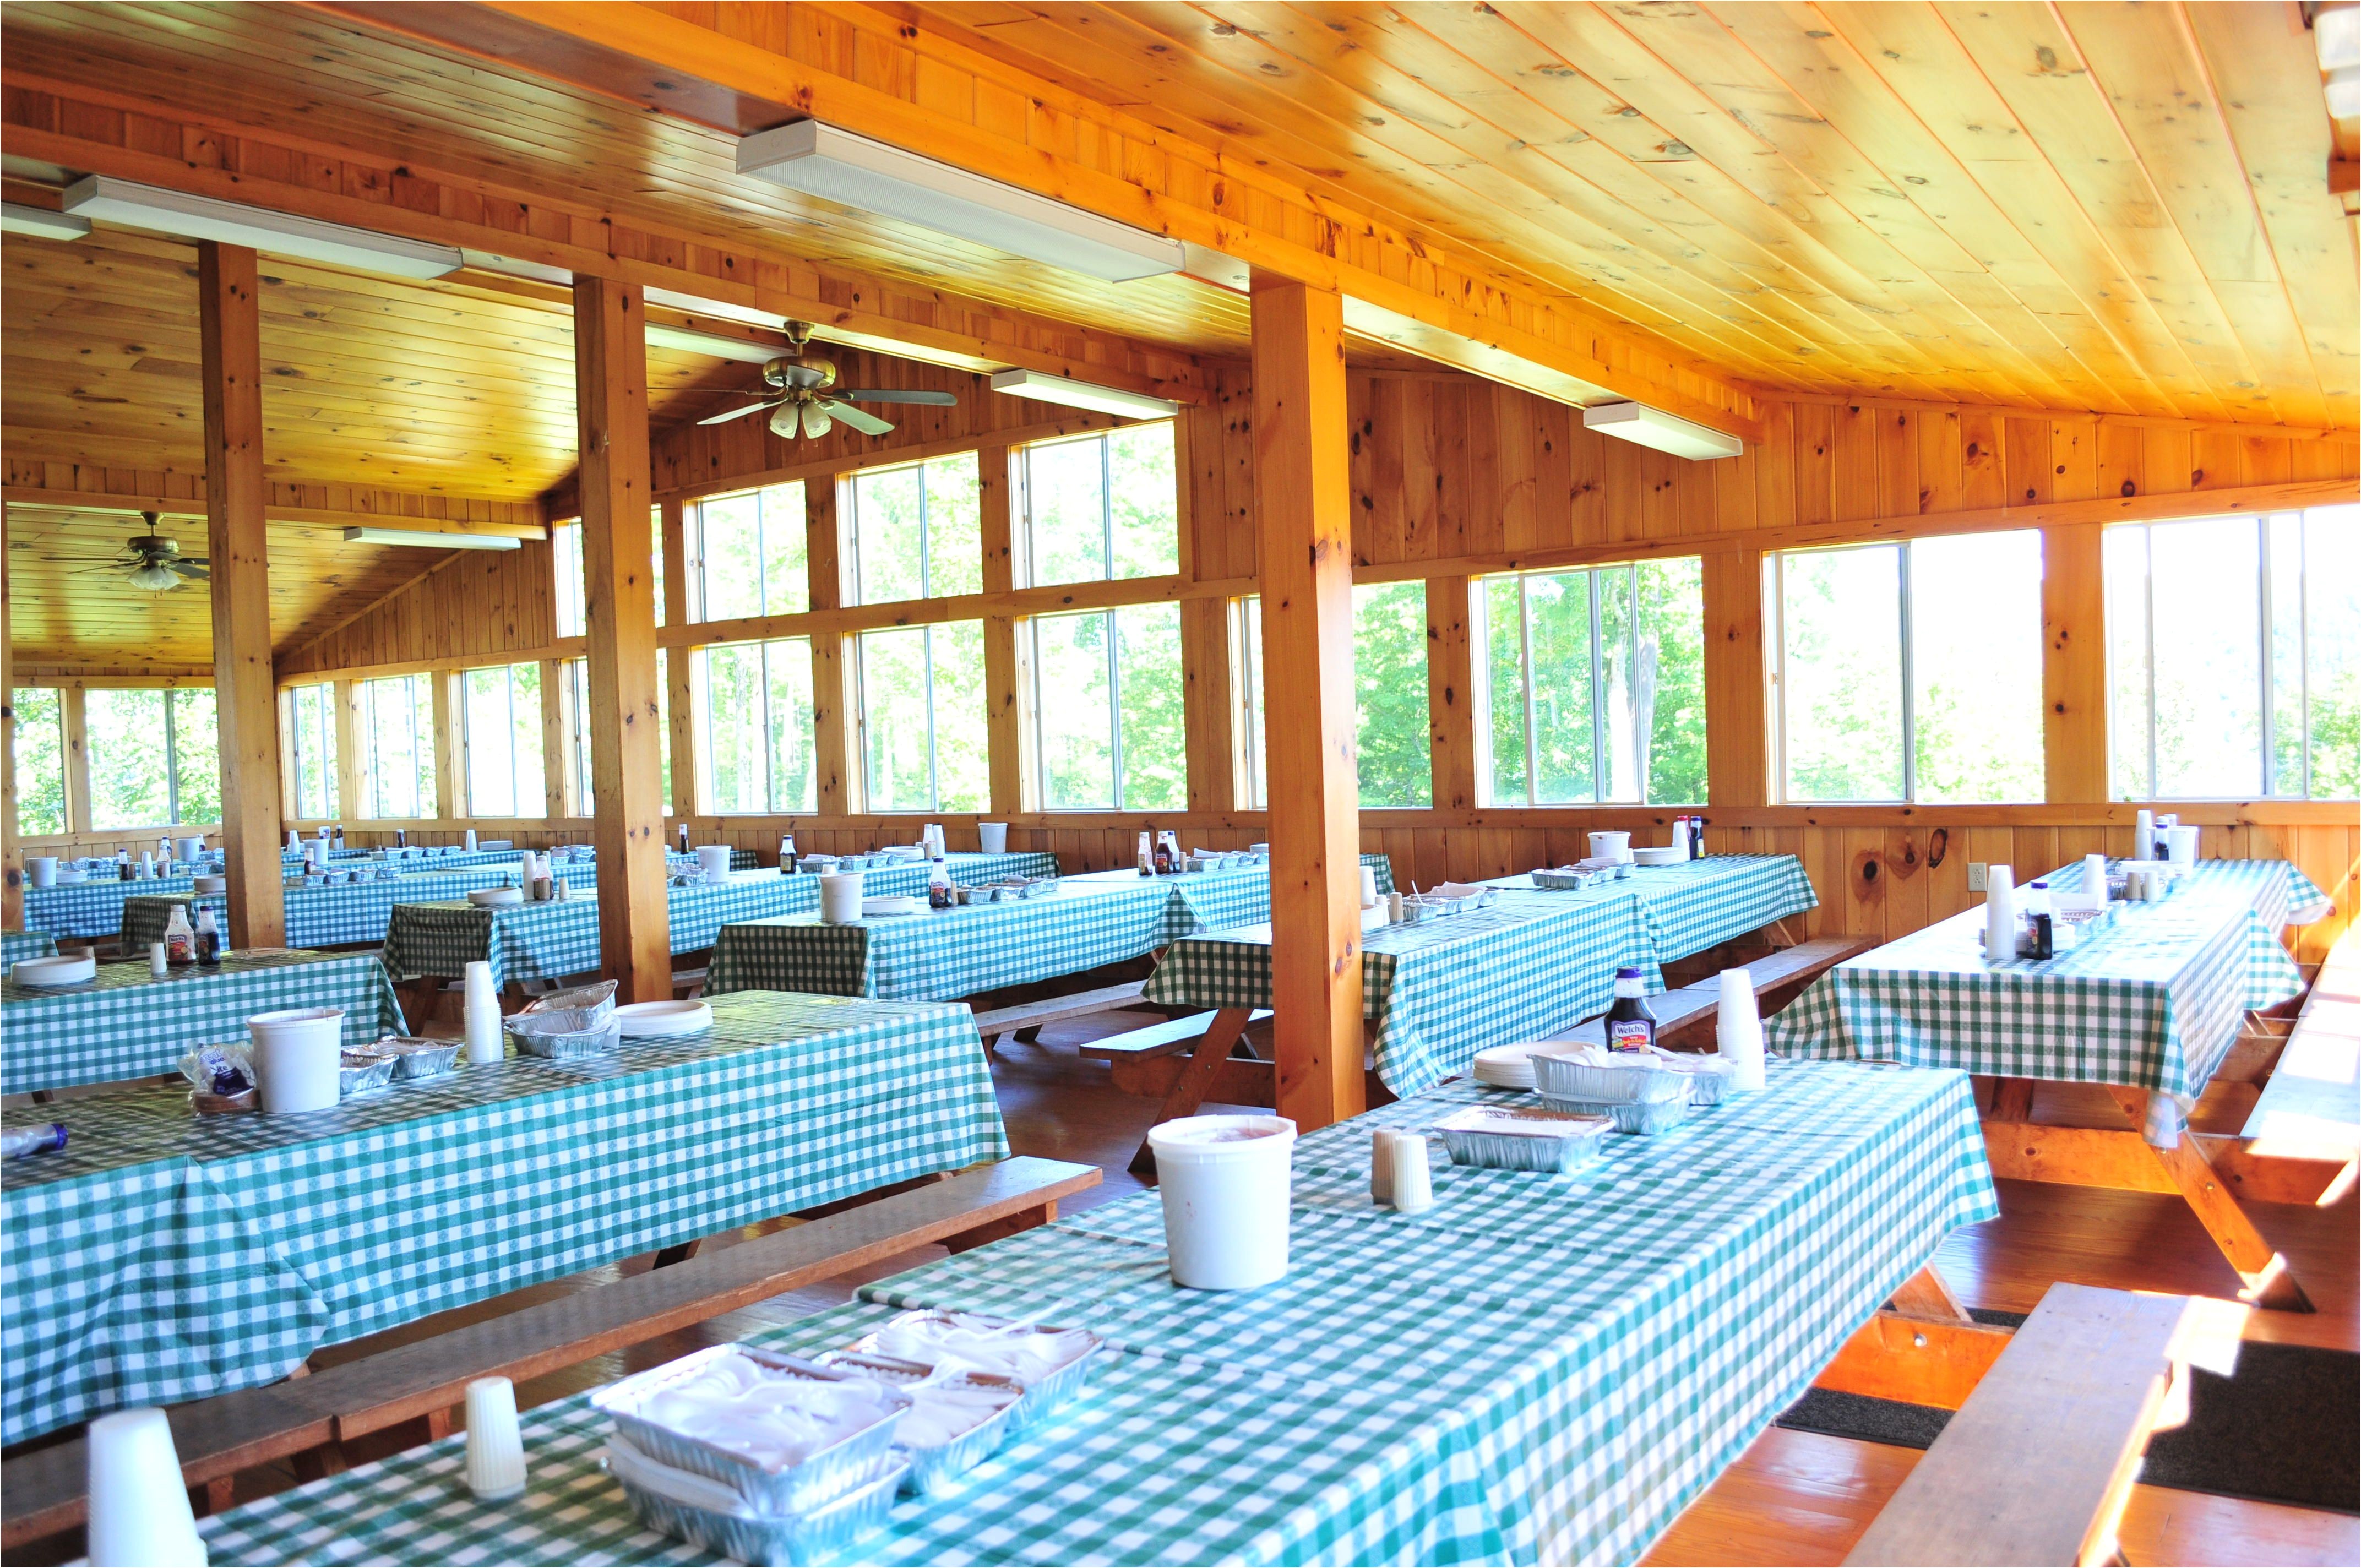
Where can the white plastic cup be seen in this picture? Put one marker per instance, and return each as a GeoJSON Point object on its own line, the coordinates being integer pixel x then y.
{"type": "Point", "coordinates": [41, 871]}
{"type": "Point", "coordinates": [479, 1013]}
{"type": "Point", "coordinates": [1226, 1183]}
{"type": "Point", "coordinates": [495, 1448]}
{"type": "Point", "coordinates": [2094, 881]}
{"type": "Point", "coordinates": [294, 840]}
{"type": "Point", "coordinates": [994, 837]}
{"type": "Point", "coordinates": [2182, 843]}
{"type": "Point", "coordinates": [139, 1513]}
{"type": "Point", "coordinates": [298, 1057]}
{"type": "Point", "coordinates": [1413, 1179]}
{"type": "Point", "coordinates": [471, 841]}
{"type": "Point", "coordinates": [1739, 1028]}
{"type": "Point", "coordinates": [839, 898]}
{"type": "Point", "coordinates": [1610, 846]}
{"type": "Point", "coordinates": [713, 859]}
{"type": "Point", "coordinates": [1368, 887]}
{"type": "Point", "coordinates": [159, 960]}
{"type": "Point", "coordinates": [2000, 914]}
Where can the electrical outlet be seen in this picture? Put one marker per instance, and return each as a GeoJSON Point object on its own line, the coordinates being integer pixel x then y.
{"type": "Point", "coordinates": [1975, 876]}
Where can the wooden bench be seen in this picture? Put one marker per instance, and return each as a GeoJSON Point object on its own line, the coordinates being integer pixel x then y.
{"type": "Point", "coordinates": [2311, 1105]}
{"type": "Point", "coordinates": [1686, 1019]}
{"type": "Point", "coordinates": [424, 1381]}
{"type": "Point", "coordinates": [1026, 1019]}
{"type": "Point", "coordinates": [2034, 1467]}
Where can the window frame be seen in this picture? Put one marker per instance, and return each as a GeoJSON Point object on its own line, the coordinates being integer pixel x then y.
{"type": "Point", "coordinates": [1253, 718]}
{"type": "Point", "coordinates": [371, 791]}
{"type": "Point", "coordinates": [697, 592]}
{"type": "Point", "coordinates": [766, 648]}
{"type": "Point", "coordinates": [171, 761]}
{"type": "Point", "coordinates": [65, 771]}
{"type": "Point", "coordinates": [467, 706]}
{"type": "Point", "coordinates": [325, 722]}
{"type": "Point", "coordinates": [1103, 443]}
{"type": "Point", "coordinates": [851, 481]}
{"type": "Point", "coordinates": [934, 722]}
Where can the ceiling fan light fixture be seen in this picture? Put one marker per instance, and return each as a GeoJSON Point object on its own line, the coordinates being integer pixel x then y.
{"type": "Point", "coordinates": [1042, 387]}
{"type": "Point", "coordinates": [871, 176]}
{"type": "Point", "coordinates": [816, 421]}
{"type": "Point", "coordinates": [154, 576]}
{"type": "Point", "coordinates": [1666, 432]}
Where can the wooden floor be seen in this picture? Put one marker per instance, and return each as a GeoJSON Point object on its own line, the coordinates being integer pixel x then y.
{"type": "Point", "coordinates": [1794, 1498]}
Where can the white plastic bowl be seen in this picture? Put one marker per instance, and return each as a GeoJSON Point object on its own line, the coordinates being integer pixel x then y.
{"type": "Point", "coordinates": [486, 897]}
{"type": "Point", "coordinates": [651, 1020]}
{"type": "Point", "coordinates": [56, 970]}
{"type": "Point", "coordinates": [212, 883]}
{"type": "Point", "coordinates": [1659, 855]}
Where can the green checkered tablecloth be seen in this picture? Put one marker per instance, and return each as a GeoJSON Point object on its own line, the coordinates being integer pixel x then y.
{"type": "Point", "coordinates": [1541, 1369]}
{"type": "Point", "coordinates": [126, 1024]}
{"type": "Point", "coordinates": [339, 915]}
{"type": "Point", "coordinates": [968, 868]}
{"type": "Point", "coordinates": [92, 908]}
{"type": "Point", "coordinates": [14, 945]}
{"type": "Point", "coordinates": [166, 1256]}
{"type": "Point", "coordinates": [1103, 917]}
{"type": "Point", "coordinates": [1531, 964]}
{"type": "Point", "coordinates": [2152, 1001]}
{"type": "Point", "coordinates": [548, 941]}
{"type": "Point", "coordinates": [2281, 895]}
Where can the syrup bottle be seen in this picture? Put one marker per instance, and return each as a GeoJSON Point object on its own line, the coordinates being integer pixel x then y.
{"type": "Point", "coordinates": [1631, 1026]}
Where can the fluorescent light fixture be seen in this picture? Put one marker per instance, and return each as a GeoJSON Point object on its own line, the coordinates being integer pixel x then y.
{"type": "Point", "coordinates": [1665, 433]}
{"type": "Point", "coordinates": [2336, 34]}
{"type": "Point", "coordinates": [231, 223]}
{"type": "Point", "coordinates": [17, 219]}
{"type": "Point", "coordinates": [428, 540]}
{"type": "Point", "coordinates": [853, 171]}
{"type": "Point", "coordinates": [1212, 266]}
{"type": "Point", "coordinates": [1042, 387]}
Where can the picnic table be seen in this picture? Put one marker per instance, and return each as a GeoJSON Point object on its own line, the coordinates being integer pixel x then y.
{"type": "Point", "coordinates": [335, 914]}
{"type": "Point", "coordinates": [1542, 1369]}
{"type": "Point", "coordinates": [1532, 963]}
{"type": "Point", "coordinates": [14, 945]}
{"type": "Point", "coordinates": [125, 1024]}
{"type": "Point", "coordinates": [2148, 1005]}
{"type": "Point", "coordinates": [165, 1256]}
{"type": "Point", "coordinates": [1081, 923]}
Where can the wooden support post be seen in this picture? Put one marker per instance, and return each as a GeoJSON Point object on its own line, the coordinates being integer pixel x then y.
{"type": "Point", "coordinates": [1007, 645]}
{"type": "Point", "coordinates": [833, 763]}
{"type": "Point", "coordinates": [73, 705]}
{"type": "Point", "coordinates": [12, 876]}
{"type": "Point", "coordinates": [611, 390]}
{"type": "Point", "coordinates": [1213, 735]}
{"type": "Point", "coordinates": [680, 700]}
{"type": "Point", "coordinates": [346, 699]}
{"type": "Point", "coordinates": [555, 725]}
{"type": "Point", "coordinates": [1737, 719]}
{"type": "Point", "coordinates": [2073, 663]}
{"type": "Point", "coordinates": [237, 541]}
{"type": "Point", "coordinates": [447, 690]}
{"type": "Point", "coordinates": [1302, 498]}
{"type": "Point", "coordinates": [1450, 690]}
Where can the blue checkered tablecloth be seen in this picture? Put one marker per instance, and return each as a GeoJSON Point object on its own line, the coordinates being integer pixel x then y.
{"type": "Point", "coordinates": [1541, 1369]}
{"type": "Point", "coordinates": [967, 868]}
{"type": "Point", "coordinates": [340, 914]}
{"type": "Point", "coordinates": [165, 1256]}
{"type": "Point", "coordinates": [1531, 964]}
{"type": "Point", "coordinates": [14, 945]}
{"type": "Point", "coordinates": [125, 1024]}
{"type": "Point", "coordinates": [2152, 1001]}
{"type": "Point", "coordinates": [549, 941]}
{"type": "Point", "coordinates": [91, 908]}
{"type": "Point", "coordinates": [1103, 917]}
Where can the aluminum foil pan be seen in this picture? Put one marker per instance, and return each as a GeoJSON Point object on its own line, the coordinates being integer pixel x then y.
{"type": "Point", "coordinates": [933, 1466]}
{"type": "Point", "coordinates": [570, 1012]}
{"type": "Point", "coordinates": [1708, 1078]}
{"type": "Point", "coordinates": [659, 1495]}
{"type": "Point", "coordinates": [1639, 1077]}
{"type": "Point", "coordinates": [576, 1046]}
{"type": "Point", "coordinates": [1563, 880]}
{"type": "Point", "coordinates": [1629, 1115]}
{"type": "Point", "coordinates": [421, 1058]}
{"type": "Point", "coordinates": [1044, 1391]}
{"type": "Point", "coordinates": [819, 1479]}
{"type": "Point", "coordinates": [1511, 1137]}
{"type": "Point", "coordinates": [363, 1072]}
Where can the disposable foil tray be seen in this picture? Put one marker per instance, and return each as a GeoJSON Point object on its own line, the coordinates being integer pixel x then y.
{"type": "Point", "coordinates": [1511, 1137]}
{"type": "Point", "coordinates": [933, 1466]}
{"type": "Point", "coordinates": [679, 1503]}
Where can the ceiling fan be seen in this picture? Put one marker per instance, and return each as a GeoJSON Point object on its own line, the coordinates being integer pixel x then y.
{"type": "Point", "coordinates": [152, 562]}
{"type": "Point", "coordinates": [804, 399]}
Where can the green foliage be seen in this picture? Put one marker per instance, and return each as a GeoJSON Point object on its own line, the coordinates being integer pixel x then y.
{"type": "Point", "coordinates": [40, 761]}
{"type": "Point", "coordinates": [1389, 684]}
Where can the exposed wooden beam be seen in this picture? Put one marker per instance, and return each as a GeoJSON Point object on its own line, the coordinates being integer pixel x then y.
{"type": "Point", "coordinates": [619, 607]}
{"type": "Point", "coordinates": [680, 687]}
{"type": "Point", "coordinates": [1736, 757]}
{"type": "Point", "coordinates": [1302, 505]}
{"type": "Point", "coordinates": [1007, 646]}
{"type": "Point", "coordinates": [1450, 691]}
{"type": "Point", "coordinates": [2073, 663]}
{"type": "Point", "coordinates": [835, 769]}
{"type": "Point", "coordinates": [237, 541]}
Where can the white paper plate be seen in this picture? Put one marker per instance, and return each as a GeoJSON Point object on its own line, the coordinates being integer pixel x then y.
{"type": "Point", "coordinates": [1508, 1066]}
{"type": "Point", "coordinates": [1659, 855]}
{"type": "Point", "coordinates": [890, 904]}
{"type": "Point", "coordinates": [645, 1020]}
{"type": "Point", "coordinates": [485, 897]}
{"type": "Point", "coordinates": [55, 971]}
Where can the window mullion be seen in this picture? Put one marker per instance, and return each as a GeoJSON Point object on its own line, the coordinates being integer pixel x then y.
{"type": "Point", "coordinates": [171, 765]}
{"type": "Point", "coordinates": [1909, 678]}
{"type": "Point", "coordinates": [934, 781]}
{"type": "Point", "coordinates": [1114, 712]}
{"type": "Point", "coordinates": [1597, 688]}
{"type": "Point", "coordinates": [1525, 664]}
{"type": "Point", "coordinates": [2147, 602]}
{"type": "Point", "coordinates": [2304, 640]}
{"type": "Point", "coordinates": [1107, 523]}
{"type": "Point", "coordinates": [2269, 728]}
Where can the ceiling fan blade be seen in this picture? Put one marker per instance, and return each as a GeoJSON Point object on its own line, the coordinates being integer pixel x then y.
{"type": "Point", "coordinates": [867, 425]}
{"type": "Point", "coordinates": [202, 571]}
{"type": "Point", "coordinates": [740, 413]}
{"type": "Point", "coordinates": [816, 420]}
{"type": "Point", "coordinates": [872, 395]}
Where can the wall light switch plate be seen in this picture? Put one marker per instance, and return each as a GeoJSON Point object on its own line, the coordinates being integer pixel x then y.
{"type": "Point", "coordinates": [1976, 876]}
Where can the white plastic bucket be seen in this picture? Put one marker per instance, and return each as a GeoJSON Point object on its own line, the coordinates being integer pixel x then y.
{"type": "Point", "coordinates": [2182, 843]}
{"type": "Point", "coordinates": [298, 1057]}
{"type": "Point", "coordinates": [714, 861]}
{"type": "Point", "coordinates": [1610, 846]}
{"type": "Point", "coordinates": [1226, 1183]}
{"type": "Point", "coordinates": [41, 871]}
{"type": "Point", "coordinates": [839, 897]}
{"type": "Point", "coordinates": [994, 836]}
{"type": "Point", "coordinates": [188, 850]}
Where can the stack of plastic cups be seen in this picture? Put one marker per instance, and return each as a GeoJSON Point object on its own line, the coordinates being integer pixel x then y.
{"type": "Point", "coordinates": [1739, 1027]}
{"type": "Point", "coordinates": [2000, 914]}
{"type": "Point", "coordinates": [139, 1513]}
{"type": "Point", "coordinates": [495, 1448]}
{"type": "Point", "coordinates": [480, 1014]}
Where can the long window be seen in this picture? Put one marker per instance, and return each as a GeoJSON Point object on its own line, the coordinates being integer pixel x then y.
{"type": "Point", "coordinates": [2235, 656]}
{"type": "Point", "coordinates": [1590, 684]}
{"type": "Point", "coordinates": [758, 709]}
{"type": "Point", "coordinates": [1101, 507]}
{"type": "Point", "coordinates": [1108, 692]}
{"type": "Point", "coordinates": [570, 578]}
{"type": "Point", "coordinates": [748, 555]}
{"type": "Point", "coordinates": [917, 531]}
{"type": "Point", "coordinates": [312, 747]}
{"type": "Point", "coordinates": [1390, 687]}
{"type": "Point", "coordinates": [922, 721]}
{"type": "Point", "coordinates": [397, 737]}
{"type": "Point", "coordinates": [503, 719]}
{"type": "Point", "coordinates": [1910, 672]}
{"type": "Point", "coordinates": [40, 743]}
{"type": "Point", "coordinates": [155, 757]}
{"type": "Point", "coordinates": [576, 714]}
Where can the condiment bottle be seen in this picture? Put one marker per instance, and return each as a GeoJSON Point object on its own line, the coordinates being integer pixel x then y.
{"type": "Point", "coordinates": [179, 940]}
{"type": "Point", "coordinates": [1631, 1026]}
{"type": "Point", "coordinates": [123, 865]}
{"type": "Point", "coordinates": [208, 941]}
{"type": "Point", "coordinates": [1146, 856]}
{"type": "Point", "coordinates": [787, 854]}
{"type": "Point", "coordinates": [2037, 916]}
{"type": "Point", "coordinates": [939, 893]}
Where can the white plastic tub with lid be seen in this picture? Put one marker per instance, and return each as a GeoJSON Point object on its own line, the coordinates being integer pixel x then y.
{"type": "Point", "coordinates": [1227, 1183]}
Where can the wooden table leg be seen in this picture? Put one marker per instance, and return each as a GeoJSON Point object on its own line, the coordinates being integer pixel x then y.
{"type": "Point", "coordinates": [419, 999]}
{"type": "Point", "coordinates": [1928, 1294]}
{"type": "Point", "coordinates": [1197, 1077]}
{"type": "Point", "coordinates": [2269, 1281]}
{"type": "Point", "coordinates": [2012, 1099]}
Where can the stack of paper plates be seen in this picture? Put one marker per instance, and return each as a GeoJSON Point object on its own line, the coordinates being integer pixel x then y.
{"type": "Point", "coordinates": [69, 968]}
{"type": "Point", "coordinates": [1509, 1066]}
{"type": "Point", "coordinates": [648, 1020]}
{"type": "Point", "coordinates": [891, 903]}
